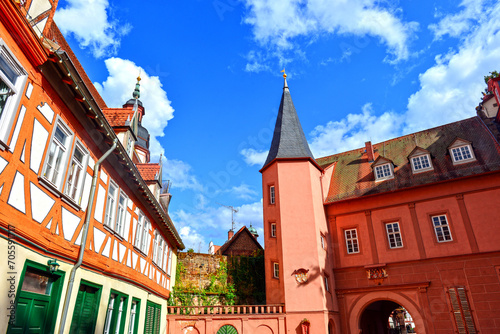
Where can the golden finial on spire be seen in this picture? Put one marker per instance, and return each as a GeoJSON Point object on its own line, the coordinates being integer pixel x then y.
{"type": "Point", "coordinates": [139, 77]}
{"type": "Point", "coordinates": [284, 74]}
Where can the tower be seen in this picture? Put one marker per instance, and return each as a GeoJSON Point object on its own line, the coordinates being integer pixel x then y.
{"type": "Point", "coordinates": [297, 268]}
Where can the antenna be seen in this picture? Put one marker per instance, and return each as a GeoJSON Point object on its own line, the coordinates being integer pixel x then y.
{"type": "Point", "coordinates": [233, 211]}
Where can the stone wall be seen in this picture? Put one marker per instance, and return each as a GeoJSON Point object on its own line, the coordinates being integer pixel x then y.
{"type": "Point", "coordinates": [196, 269]}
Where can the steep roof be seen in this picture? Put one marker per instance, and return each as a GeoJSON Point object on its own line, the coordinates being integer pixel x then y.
{"type": "Point", "coordinates": [118, 116]}
{"type": "Point", "coordinates": [54, 33]}
{"type": "Point", "coordinates": [148, 171]}
{"type": "Point", "coordinates": [289, 140]}
{"type": "Point", "coordinates": [239, 249]}
{"type": "Point", "coordinates": [353, 176]}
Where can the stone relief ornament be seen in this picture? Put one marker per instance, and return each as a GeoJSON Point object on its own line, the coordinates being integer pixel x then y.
{"type": "Point", "coordinates": [301, 275]}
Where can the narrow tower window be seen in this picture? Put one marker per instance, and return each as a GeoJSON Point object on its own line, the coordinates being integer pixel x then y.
{"type": "Point", "coordinates": [271, 195]}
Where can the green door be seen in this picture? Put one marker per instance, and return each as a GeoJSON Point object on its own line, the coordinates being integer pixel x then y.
{"type": "Point", "coordinates": [37, 300]}
{"type": "Point", "coordinates": [86, 308]}
{"type": "Point", "coordinates": [153, 318]}
{"type": "Point", "coordinates": [227, 329]}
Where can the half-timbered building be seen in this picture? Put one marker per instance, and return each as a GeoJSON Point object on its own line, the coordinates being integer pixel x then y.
{"type": "Point", "coordinates": [89, 245]}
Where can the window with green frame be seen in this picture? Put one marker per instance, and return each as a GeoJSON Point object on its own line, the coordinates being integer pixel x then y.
{"type": "Point", "coordinates": [116, 313]}
{"type": "Point", "coordinates": [86, 308]}
{"type": "Point", "coordinates": [37, 299]}
{"type": "Point", "coordinates": [153, 318]}
{"type": "Point", "coordinates": [133, 323]}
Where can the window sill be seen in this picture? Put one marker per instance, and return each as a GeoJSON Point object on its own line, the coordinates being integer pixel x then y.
{"type": "Point", "coordinates": [3, 146]}
{"type": "Point", "coordinates": [431, 169]}
{"type": "Point", "coordinates": [68, 200]}
{"type": "Point", "coordinates": [140, 251]}
{"type": "Point", "coordinates": [385, 178]}
{"type": "Point", "coordinates": [49, 186]}
{"type": "Point", "coordinates": [110, 230]}
{"type": "Point", "coordinates": [461, 162]}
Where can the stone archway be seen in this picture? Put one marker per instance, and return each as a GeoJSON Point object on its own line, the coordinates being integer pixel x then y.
{"type": "Point", "coordinates": [388, 297]}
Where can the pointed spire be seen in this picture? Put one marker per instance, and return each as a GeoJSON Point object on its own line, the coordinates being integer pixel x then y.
{"type": "Point", "coordinates": [137, 91]}
{"type": "Point", "coordinates": [289, 140]}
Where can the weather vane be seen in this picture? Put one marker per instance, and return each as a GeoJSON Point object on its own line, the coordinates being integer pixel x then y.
{"type": "Point", "coordinates": [284, 74]}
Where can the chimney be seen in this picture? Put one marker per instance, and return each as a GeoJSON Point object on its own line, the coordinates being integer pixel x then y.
{"type": "Point", "coordinates": [230, 234]}
{"type": "Point", "coordinates": [369, 150]}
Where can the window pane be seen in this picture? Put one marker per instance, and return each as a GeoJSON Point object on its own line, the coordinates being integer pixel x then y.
{"type": "Point", "coordinates": [5, 92]}
{"type": "Point", "coordinates": [36, 281]}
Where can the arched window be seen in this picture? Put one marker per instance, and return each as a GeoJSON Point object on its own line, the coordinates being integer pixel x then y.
{"type": "Point", "coordinates": [227, 329]}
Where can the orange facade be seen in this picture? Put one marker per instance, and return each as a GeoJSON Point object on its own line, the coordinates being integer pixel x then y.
{"type": "Point", "coordinates": [52, 135]}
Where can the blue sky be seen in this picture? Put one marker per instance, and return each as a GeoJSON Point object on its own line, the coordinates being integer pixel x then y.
{"type": "Point", "coordinates": [358, 70]}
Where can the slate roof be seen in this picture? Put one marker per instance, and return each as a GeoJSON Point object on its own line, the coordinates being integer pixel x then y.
{"type": "Point", "coordinates": [148, 171]}
{"type": "Point", "coordinates": [353, 176]}
{"type": "Point", "coordinates": [289, 140]}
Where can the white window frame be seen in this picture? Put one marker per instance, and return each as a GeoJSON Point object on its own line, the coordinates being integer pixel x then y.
{"type": "Point", "coordinates": [351, 241]}
{"type": "Point", "coordinates": [111, 205]}
{"type": "Point", "coordinates": [272, 195]}
{"type": "Point", "coordinates": [441, 226]}
{"type": "Point", "coordinates": [80, 174]}
{"type": "Point", "coordinates": [58, 147]}
{"type": "Point", "coordinates": [145, 236]}
{"type": "Point", "coordinates": [383, 168]}
{"type": "Point", "coordinates": [394, 235]}
{"type": "Point", "coordinates": [417, 163]}
{"type": "Point", "coordinates": [169, 266]}
{"type": "Point", "coordinates": [160, 252]}
{"type": "Point", "coordinates": [109, 313]}
{"type": "Point", "coordinates": [138, 232]}
{"type": "Point", "coordinates": [132, 318]}
{"type": "Point", "coordinates": [276, 270]}
{"type": "Point", "coordinates": [322, 240]}
{"type": "Point", "coordinates": [130, 144]}
{"type": "Point", "coordinates": [165, 256]}
{"type": "Point", "coordinates": [121, 213]}
{"type": "Point", "coordinates": [458, 151]}
{"type": "Point", "coordinates": [155, 246]}
{"type": "Point", "coordinates": [327, 285]}
{"type": "Point", "coordinates": [9, 112]}
{"type": "Point", "coordinates": [273, 230]}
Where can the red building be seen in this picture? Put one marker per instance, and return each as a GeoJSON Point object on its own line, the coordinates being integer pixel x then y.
{"type": "Point", "coordinates": [409, 224]}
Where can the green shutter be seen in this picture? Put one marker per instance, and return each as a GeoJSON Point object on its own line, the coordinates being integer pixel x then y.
{"type": "Point", "coordinates": [153, 318]}
{"type": "Point", "coordinates": [85, 311]}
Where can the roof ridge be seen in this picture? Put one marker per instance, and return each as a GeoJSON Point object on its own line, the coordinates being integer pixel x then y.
{"type": "Point", "coordinates": [399, 137]}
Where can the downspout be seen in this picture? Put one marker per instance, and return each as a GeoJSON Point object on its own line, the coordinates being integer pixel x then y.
{"type": "Point", "coordinates": [85, 231]}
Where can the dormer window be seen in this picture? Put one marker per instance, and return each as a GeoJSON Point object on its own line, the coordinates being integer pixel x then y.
{"type": "Point", "coordinates": [383, 172]}
{"type": "Point", "coordinates": [420, 160]}
{"type": "Point", "coordinates": [421, 163]}
{"type": "Point", "coordinates": [461, 151]}
{"type": "Point", "coordinates": [383, 169]}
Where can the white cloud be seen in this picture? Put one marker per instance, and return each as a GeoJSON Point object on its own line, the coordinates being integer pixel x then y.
{"type": "Point", "coordinates": [451, 89]}
{"type": "Point", "coordinates": [118, 87]}
{"type": "Point", "coordinates": [193, 239]}
{"type": "Point", "coordinates": [90, 23]}
{"type": "Point", "coordinates": [353, 131]}
{"type": "Point", "coordinates": [279, 23]}
{"type": "Point", "coordinates": [456, 24]}
{"type": "Point", "coordinates": [243, 191]}
{"type": "Point", "coordinates": [180, 174]}
{"type": "Point", "coordinates": [254, 157]}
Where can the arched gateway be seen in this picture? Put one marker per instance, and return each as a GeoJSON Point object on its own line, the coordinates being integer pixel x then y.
{"type": "Point", "coordinates": [383, 313]}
